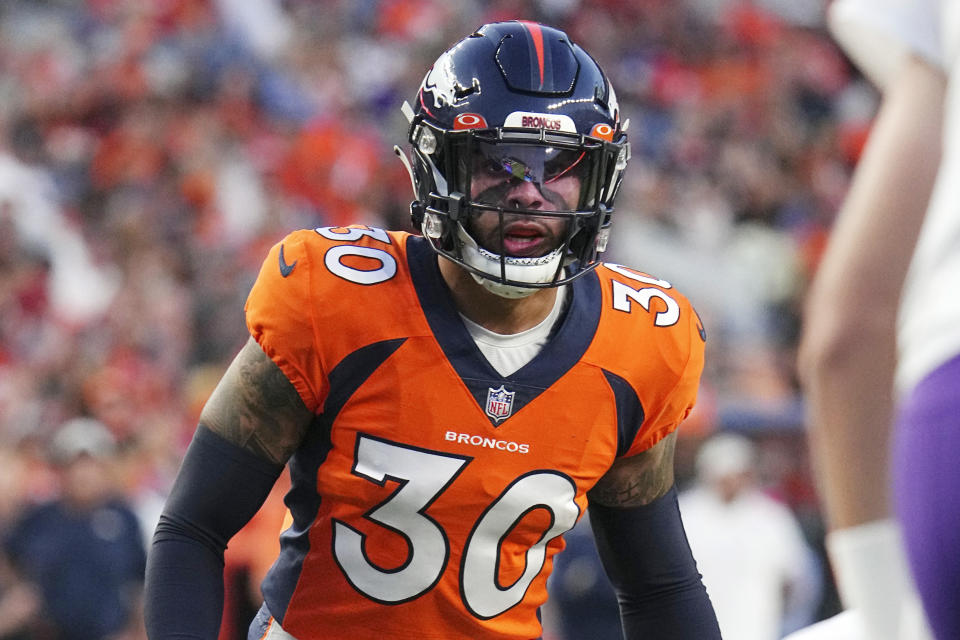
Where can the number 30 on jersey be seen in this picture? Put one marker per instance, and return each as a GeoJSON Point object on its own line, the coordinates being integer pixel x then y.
{"type": "Point", "coordinates": [422, 476]}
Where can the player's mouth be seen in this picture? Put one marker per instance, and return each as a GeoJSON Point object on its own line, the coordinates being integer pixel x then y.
{"type": "Point", "coordinates": [525, 240]}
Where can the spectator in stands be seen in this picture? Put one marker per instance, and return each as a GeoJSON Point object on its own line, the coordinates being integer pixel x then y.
{"type": "Point", "coordinates": [749, 547]}
{"type": "Point", "coordinates": [83, 551]}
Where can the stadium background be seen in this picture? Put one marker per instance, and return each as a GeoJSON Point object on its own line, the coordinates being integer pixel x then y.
{"type": "Point", "coordinates": [152, 151]}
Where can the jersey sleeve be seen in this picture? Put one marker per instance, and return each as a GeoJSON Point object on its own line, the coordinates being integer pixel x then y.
{"type": "Point", "coordinates": [878, 34]}
{"type": "Point", "coordinates": [667, 405]}
{"type": "Point", "coordinates": [279, 316]}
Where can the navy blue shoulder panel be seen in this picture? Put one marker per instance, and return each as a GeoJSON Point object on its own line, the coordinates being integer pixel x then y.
{"type": "Point", "coordinates": [629, 411]}
{"type": "Point", "coordinates": [562, 352]}
{"type": "Point", "coordinates": [440, 311]}
{"type": "Point", "coordinates": [304, 501]}
{"type": "Point", "coordinates": [351, 372]}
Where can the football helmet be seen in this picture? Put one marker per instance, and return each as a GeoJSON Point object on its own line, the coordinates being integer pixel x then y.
{"type": "Point", "coordinates": [514, 103]}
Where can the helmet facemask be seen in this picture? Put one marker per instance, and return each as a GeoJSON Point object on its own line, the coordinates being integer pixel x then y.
{"type": "Point", "coordinates": [464, 177]}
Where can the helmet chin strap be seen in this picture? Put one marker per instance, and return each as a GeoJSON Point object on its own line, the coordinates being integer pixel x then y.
{"type": "Point", "coordinates": [533, 270]}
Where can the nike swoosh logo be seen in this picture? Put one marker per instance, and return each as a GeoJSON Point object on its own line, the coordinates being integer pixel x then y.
{"type": "Point", "coordinates": [285, 269]}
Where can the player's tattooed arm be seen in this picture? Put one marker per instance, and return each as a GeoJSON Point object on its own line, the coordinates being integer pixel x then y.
{"type": "Point", "coordinates": [256, 407]}
{"type": "Point", "coordinates": [637, 480]}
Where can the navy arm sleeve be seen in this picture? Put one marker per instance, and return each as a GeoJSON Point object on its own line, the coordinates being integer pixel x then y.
{"type": "Point", "coordinates": [219, 488]}
{"type": "Point", "coordinates": [645, 552]}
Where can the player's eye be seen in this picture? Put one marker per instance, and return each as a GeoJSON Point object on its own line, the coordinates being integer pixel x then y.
{"type": "Point", "coordinates": [488, 166]}
{"type": "Point", "coordinates": [496, 167]}
{"type": "Point", "coordinates": [566, 163]}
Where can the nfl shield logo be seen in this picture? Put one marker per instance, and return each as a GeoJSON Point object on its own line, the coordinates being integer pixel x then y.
{"type": "Point", "coordinates": [500, 403]}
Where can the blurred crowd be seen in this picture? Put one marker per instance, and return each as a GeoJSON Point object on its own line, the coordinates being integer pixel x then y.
{"type": "Point", "coordinates": [151, 151]}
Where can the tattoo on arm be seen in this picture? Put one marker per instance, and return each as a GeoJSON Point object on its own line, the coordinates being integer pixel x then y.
{"type": "Point", "coordinates": [639, 479]}
{"type": "Point", "coordinates": [256, 407]}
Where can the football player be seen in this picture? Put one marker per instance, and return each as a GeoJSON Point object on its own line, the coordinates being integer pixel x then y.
{"type": "Point", "coordinates": [881, 350]}
{"type": "Point", "coordinates": [450, 403]}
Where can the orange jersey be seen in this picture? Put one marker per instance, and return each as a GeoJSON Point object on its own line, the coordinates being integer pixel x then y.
{"type": "Point", "coordinates": [431, 493]}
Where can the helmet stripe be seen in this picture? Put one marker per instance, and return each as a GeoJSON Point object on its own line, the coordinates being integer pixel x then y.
{"type": "Point", "coordinates": [423, 105]}
{"type": "Point", "coordinates": [537, 36]}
